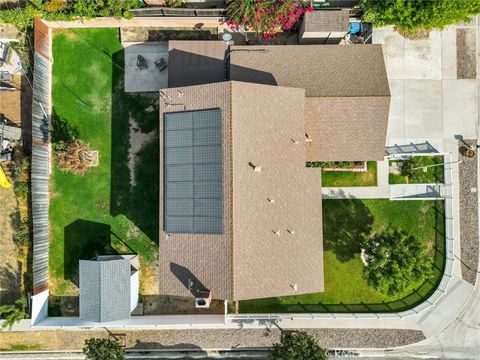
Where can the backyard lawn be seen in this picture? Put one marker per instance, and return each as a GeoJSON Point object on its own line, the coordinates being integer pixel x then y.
{"type": "Point", "coordinates": [113, 208]}
{"type": "Point", "coordinates": [350, 178]}
{"type": "Point", "coordinates": [426, 170]}
{"type": "Point", "coordinates": [345, 223]}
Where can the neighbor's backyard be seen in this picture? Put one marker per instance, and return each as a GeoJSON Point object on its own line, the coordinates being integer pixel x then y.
{"type": "Point", "coordinates": [113, 208]}
{"type": "Point", "coordinates": [346, 223]}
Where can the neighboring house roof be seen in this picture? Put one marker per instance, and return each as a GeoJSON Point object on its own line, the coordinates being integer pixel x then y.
{"type": "Point", "coordinates": [10, 105]}
{"type": "Point", "coordinates": [273, 245]}
{"type": "Point", "coordinates": [328, 73]}
{"type": "Point", "coordinates": [195, 62]}
{"type": "Point", "coordinates": [105, 289]}
{"type": "Point", "coordinates": [326, 21]}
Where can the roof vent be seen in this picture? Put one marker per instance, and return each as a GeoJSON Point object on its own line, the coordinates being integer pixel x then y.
{"type": "Point", "coordinates": [180, 93]}
{"type": "Point", "coordinates": [276, 232]}
{"type": "Point", "coordinates": [256, 168]}
{"type": "Point", "coordinates": [190, 284]}
{"type": "Point", "coordinates": [166, 98]}
{"type": "Point", "coordinates": [271, 200]}
{"type": "Point", "coordinates": [167, 235]}
{"type": "Point", "coordinates": [294, 287]}
{"type": "Point", "coordinates": [308, 138]}
{"type": "Point", "coordinates": [291, 231]}
{"type": "Point", "coordinates": [294, 141]}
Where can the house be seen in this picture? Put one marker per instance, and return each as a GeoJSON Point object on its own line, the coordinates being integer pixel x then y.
{"type": "Point", "coordinates": [346, 88]}
{"type": "Point", "coordinates": [240, 214]}
{"type": "Point", "coordinates": [324, 26]}
{"type": "Point", "coordinates": [108, 288]}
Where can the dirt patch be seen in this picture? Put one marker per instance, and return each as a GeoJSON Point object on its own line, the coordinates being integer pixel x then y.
{"type": "Point", "coordinates": [10, 268]}
{"type": "Point", "coordinates": [138, 140]}
{"type": "Point", "coordinates": [174, 305]}
{"type": "Point", "coordinates": [416, 35]}
{"type": "Point", "coordinates": [466, 59]}
{"type": "Point", "coordinates": [149, 279]}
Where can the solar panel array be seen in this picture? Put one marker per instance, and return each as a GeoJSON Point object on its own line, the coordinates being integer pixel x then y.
{"type": "Point", "coordinates": [193, 194]}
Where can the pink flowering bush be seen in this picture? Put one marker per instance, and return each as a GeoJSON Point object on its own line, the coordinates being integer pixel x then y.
{"type": "Point", "coordinates": [265, 16]}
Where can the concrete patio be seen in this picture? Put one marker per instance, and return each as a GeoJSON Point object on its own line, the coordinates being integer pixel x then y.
{"type": "Point", "coordinates": [432, 98]}
{"type": "Point", "coordinates": [145, 79]}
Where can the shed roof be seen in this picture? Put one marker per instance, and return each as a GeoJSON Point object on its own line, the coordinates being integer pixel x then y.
{"type": "Point", "coordinates": [326, 21]}
{"type": "Point", "coordinates": [273, 244]}
{"type": "Point", "coordinates": [195, 62]}
{"type": "Point", "coordinates": [105, 289]}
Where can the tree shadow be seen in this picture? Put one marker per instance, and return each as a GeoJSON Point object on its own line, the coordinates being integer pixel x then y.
{"type": "Point", "coordinates": [10, 280]}
{"type": "Point", "coordinates": [150, 345]}
{"type": "Point", "coordinates": [62, 130]}
{"type": "Point", "coordinates": [346, 223]}
{"type": "Point", "coordinates": [84, 239]}
{"type": "Point", "coordinates": [139, 200]}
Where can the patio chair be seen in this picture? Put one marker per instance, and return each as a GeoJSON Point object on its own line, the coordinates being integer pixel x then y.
{"type": "Point", "coordinates": [142, 62]}
{"type": "Point", "coordinates": [161, 64]}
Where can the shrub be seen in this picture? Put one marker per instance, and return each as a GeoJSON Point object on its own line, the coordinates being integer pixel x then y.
{"type": "Point", "coordinates": [13, 313]}
{"type": "Point", "coordinates": [103, 349]}
{"type": "Point", "coordinates": [395, 261]}
{"type": "Point", "coordinates": [174, 3]}
{"type": "Point", "coordinates": [69, 156]}
{"type": "Point", "coordinates": [297, 345]}
{"type": "Point", "coordinates": [55, 5]}
{"type": "Point", "coordinates": [265, 17]}
{"type": "Point", "coordinates": [411, 16]}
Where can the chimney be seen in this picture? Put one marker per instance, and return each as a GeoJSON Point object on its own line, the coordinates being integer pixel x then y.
{"type": "Point", "coordinates": [256, 168]}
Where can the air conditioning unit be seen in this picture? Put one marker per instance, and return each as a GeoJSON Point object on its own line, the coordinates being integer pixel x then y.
{"type": "Point", "coordinates": [203, 299]}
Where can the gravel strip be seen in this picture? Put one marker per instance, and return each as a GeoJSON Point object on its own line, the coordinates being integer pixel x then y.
{"type": "Point", "coordinates": [468, 214]}
{"type": "Point", "coordinates": [466, 60]}
{"type": "Point", "coordinates": [210, 339]}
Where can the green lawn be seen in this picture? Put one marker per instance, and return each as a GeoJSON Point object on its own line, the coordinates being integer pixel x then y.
{"type": "Point", "coordinates": [103, 211]}
{"type": "Point", "coordinates": [350, 178]}
{"type": "Point", "coordinates": [433, 174]}
{"type": "Point", "coordinates": [345, 223]}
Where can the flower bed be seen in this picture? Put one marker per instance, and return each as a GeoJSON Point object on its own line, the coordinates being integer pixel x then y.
{"type": "Point", "coordinates": [354, 166]}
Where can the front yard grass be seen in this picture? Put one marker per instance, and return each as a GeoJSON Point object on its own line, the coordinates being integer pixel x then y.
{"type": "Point", "coordinates": [351, 178]}
{"type": "Point", "coordinates": [103, 211]}
{"type": "Point", "coordinates": [434, 171]}
{"type": "Point", "coordinates": [345, 223]}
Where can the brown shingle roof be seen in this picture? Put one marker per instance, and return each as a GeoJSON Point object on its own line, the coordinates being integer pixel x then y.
{"type": "Point", "coordinates": [249, 260]}
{"type": "Point", "coordinates": [326, 21]}
{"type": "Point", "coordinates": [195, 62]}
{"type": "Point", "coordinates": [328, 73]}
{"type": "Point", "coordinates": [346, 128]}
{"type": "Point", "coordinates": [333, 70]}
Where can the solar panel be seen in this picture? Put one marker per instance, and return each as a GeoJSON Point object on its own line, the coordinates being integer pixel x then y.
{"type": "Point", "coordinates": [193, 186]}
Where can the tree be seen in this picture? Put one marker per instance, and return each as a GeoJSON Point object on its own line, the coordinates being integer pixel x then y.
{"type": "Point", "coordinates": [395, 260]}
{"type": "Point", "coordinates": [13, 313]}
{"type": "Point", "coordinates": [265, 17]}
{"type": "Point", "coordinates": [411, 16]}
{"type": "Point", "coordinates": [103, 349]}
{"type": "Point", "coordinates": [297, 345]}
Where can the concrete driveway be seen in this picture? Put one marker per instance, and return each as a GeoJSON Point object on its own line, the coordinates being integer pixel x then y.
{"type": "Point", "coordinates": [433, 97]}
{"type": "Point", "coordinates": [151, 78]}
